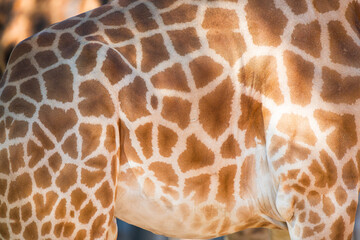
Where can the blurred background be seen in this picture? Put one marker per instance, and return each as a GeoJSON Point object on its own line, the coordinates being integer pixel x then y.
{"type": "Point", "coordinates": [19, 19]}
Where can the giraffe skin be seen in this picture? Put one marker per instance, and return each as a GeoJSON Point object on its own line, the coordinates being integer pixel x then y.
{"type": "Point", "coordinates": [191, 119]}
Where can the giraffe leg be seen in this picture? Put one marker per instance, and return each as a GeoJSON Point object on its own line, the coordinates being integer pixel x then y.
{"type": "Point", "coordinates": [64, 161]}
{"type": "Point", "coordinates": [325, 216]}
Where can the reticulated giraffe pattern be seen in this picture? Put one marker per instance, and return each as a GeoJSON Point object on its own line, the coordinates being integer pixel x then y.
{"type": "Point", "coordinates": [187, 118]}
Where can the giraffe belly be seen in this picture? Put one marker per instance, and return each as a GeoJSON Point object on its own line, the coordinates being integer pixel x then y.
{"type": "Point", "coordinates": [182, 220]}
{"type": "Point", "coordinates": [185, 218]}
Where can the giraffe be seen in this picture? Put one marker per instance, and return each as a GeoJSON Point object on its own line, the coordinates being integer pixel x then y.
{"type": "Point", "coordinates": [191, 119]}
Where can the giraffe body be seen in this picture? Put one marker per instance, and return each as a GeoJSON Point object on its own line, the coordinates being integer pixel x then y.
{"type": "Point", "coordinates": [187, 118]}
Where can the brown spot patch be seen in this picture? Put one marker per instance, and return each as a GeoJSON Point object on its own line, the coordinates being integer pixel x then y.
{"type": "Point", "coordinates": [350, 175]}
{"type": "Point", "coordinates": [338, 229]}
{"type": "Point", "coordinates": [230, 148]}
{"type": "Point", "coordinates": [57, 121]}
{"type": "Point", "coordinates": [31, 88]}
{"type": "Point", "coordinates": [300, 74]}
{"type": "Point", "coordinates": [90, 134]}
{"type": "Point", "coordinates": [219, 18]}
{"type": "Point", "coordinates": [133, 99]}
{"type": "Point", "coordinates": [323, 6]}
{"type": "Point", "coordinates": [305, 180]}
{"type": "Point", "coordinates": [31, 232]}
{"type": "Point", "coordinates": [80, 235]}
{"type": "Point", "coordinates": [225, 192]}
{"type": "Point", "coordinates": [26, 212]}
{"type": "Point", "coordinates": [21, 70]}
{"type": "Point", "coordinates": [143, 18]}
{"type": "Point", "coordinates": [46, 228]}
{"type": "Point", "coordinates": [68, 229]}
{"type": "Point", "coordinates": [3, 188]}
{"type": "Point", "coordinates": [18, 129]}
{"type": "Point", "coordinates": [297, 128]}
{"type": "Point", "coordinates": [297, 7]}
{"type": "Point", "coordinates": [110, 143]}
{"type": "Point", "coordinates": [105, 194]}
{"type": "Point", "coordinates": [4, 162]}
{"type": "Point", "coordinates": [113, 19]}
{"type": "Point", "coordinates": [20, 188]}
{"type": "Point", "coordinates": [351, 211]}
{"type": "Point", "coordinates": [20, 50]}
{"type": "Point", "coordinates": [229, 45]}
{"type": "Point", "coordinates": [45, 39]}
{"type": "Point", "coordinates": [16, 157]}
{"type": "Point", "coordinates": [165, 173]}
{"type": "Point", "coordinates": [99, 162]}
{"type": "Point", "coordinates": [144, 136]}
{"type": "Point", "coordinates": [97, 100]}
{"type": "Point", "coordinates": [86, 28]}
{"type": "Point", "coordinates": [260, 73]}
{"type": "Point", "coordinates": [42, 177]}
{"type": "Point", "coordinates": [67, 177]}
{"type": "Point", "coordinates": [340, 195]}
{"type": "Point", "coordinates": [171, 78]}
{"type": "Point", "coordinates": [197, 155]}
{"type": "Point", "coordinates": [21, 106]}
{"type": "Point", "coordinates": [97, 229]}
{"type": "Point", "coordinates": [65, 24]}
{"type": "Point", "coordinates": [205, 70]}
{"type": "Point", "coordinates": [46, 58]}
{"type": "Point", "coordinates": [199, 185]}
{"type": "Point", "coordinates": [96, 38]}
{"type": "Point", "coordinates": [59, 83]}
{"type": "Point", "coordinates": [114, 67]}
{"type": "Point", "coordinates": [339, 90]}
{"type": "Point", "coordinates": [2, 131]}
{"type": "Point", "coordinates": [77, 198]}
{"type": "Point", "coordinates": [128, 52]}
{"type": "Point", "coordinates": [251, 120]}
{"type": "Point", "coordinates": [87, 213]}
{"type": "Point", "coordinates": [86, 61]}
{"type": "Point", "coordinates": [314, 198]}
{"type": "Point", "coordinates": [266, 22]}
{"type": "Point", "coordinates": [215, 109]}
{"type": "Point", "coordinates": [352, 16]}
{"type": "Point", "coordinates": [343, 49]}
{"type": "Point", "coordinates": [8, 93]}
{"type": "Point", "coordinates": [167, 139]}
{"type": "Point", "coordinates": [182, 14]}
{"type": "Point", "coordinates": [323, 177]}
{"type": "Point", "coordinates": [185, 41]}
{"type": "Point", "coordinates": [60, 211]}
{"type": "Point", "coordinates": [4, 231]}
{"type": "Point", "coordinates": [307, 38]}
{"type": "Point", "coordinates": [119, 34]}
{"type": "Point", "coordinates": [154, 52]}
{"type": "Point", "coordinates": [70, 146]}
{"type": "Point", "coordinates": [14, 215]}
{"type": "Point", "coordinates": [55, 162]}
{"type": "Point", "coordinates": [314, 218]}
{"type": "Point", "coordinates": [343, 137]}
{"type": "Point", "coordinates": [161, 3]}
{"type": "Point", "coordinates": [247, 177]}
{"type": "Point", "coordinates": [68, 45]}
